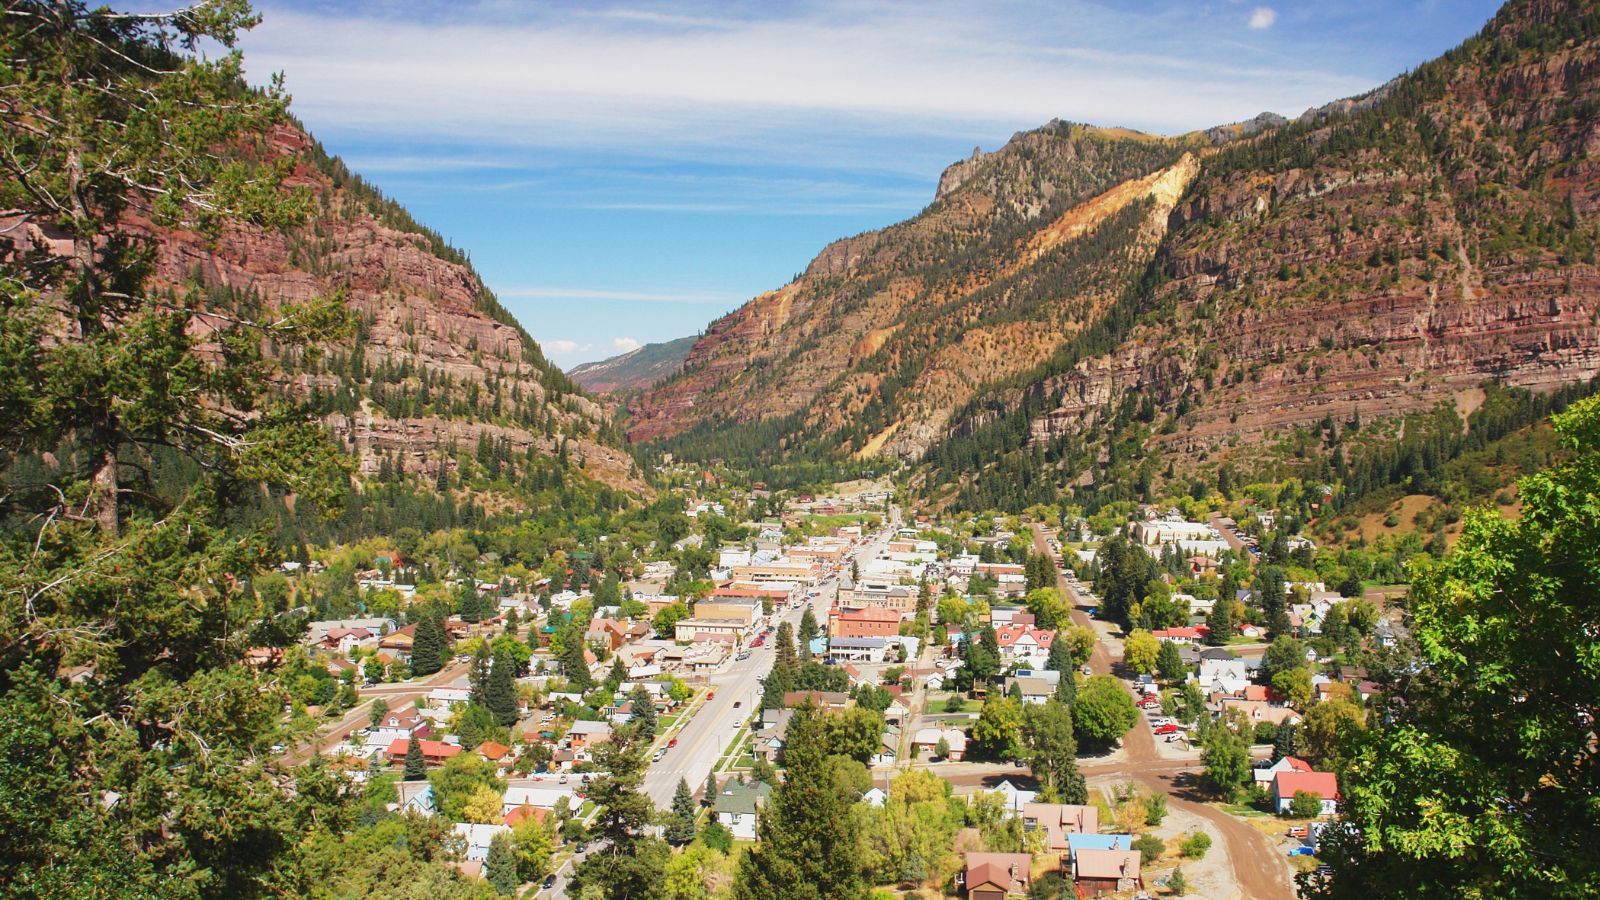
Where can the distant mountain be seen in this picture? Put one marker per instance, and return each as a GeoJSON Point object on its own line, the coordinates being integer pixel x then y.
{"type": "Point", "coordinates": [635, 370]}
{"type": "Point", "coordinates": [1084, 300]}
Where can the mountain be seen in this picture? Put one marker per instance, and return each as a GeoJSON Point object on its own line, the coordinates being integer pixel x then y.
{"type": "Point", "coordinates": [436, 364]}
{"type": "Point", "coordinates": [1082, 297]}
{"type": "Point", "coordinates": [636, 370]}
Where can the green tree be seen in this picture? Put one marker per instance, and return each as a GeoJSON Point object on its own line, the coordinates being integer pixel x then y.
{"type": "Point", "coordinates": [416, 764]}
{"type": "Point", "coordinates": [1052, 750]}
{"type": "Point", "coordinates": [997, 734]}
{"type": "Point", "coordinates": [135, 421]}
{"type": "Point", "coordinates": [1284, 653]}
{"type": "Point", "coordinates": [534, 849]}
{"type": "Point", "coordinates": [428, 646]}
{"type": "Point", "coordinates": [1305, 805]}
{"type": "Point", "coordinates": [1103, 712]}
{"type": "Point", "coordinates": [807, 830]}
{"type": "Point", "coordinates": [808, 631]}
{"type": "Point", "coordinates": [1227, 759]}
{"type": "Point", "coordinates": [500, 868]}
{"type": "Point", "coordinates": [500, 693]}
{"type": "Point", "coordinates": [1049, 609]}
{"type": "Point", "coordinates": [457, 780]}
{"type": "Point", "coordinates": [1170, 663]}
{"type": "Point", "coordinates": [856, 732]}
{"type": "Point", "coordinates": [630, 862]}
{"type": "Point", "coordinates": [380, 708]}
{"type": "Point", "coordinates": [681, 824]}
{"type": "Point", "coordinates": [644, 712]}
{"type": "Point", "coordinates": [1176, 883]}
{"type": "Point", "coordinates": [1141, 651]}
{"type": "Point", "coordinates": [1060, 658]}
{"type": "Point", "coordinates": [709, 795]}
{"type": "Point", "coordinates": [1150, 848]}
{"type": "Point", "coordinates": [1220, 621]}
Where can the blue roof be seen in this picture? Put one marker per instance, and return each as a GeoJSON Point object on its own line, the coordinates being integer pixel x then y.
{"type": "Point", "coordinates": [818, 646]}
{"type": "Point", "coordinates": [1076, 842]}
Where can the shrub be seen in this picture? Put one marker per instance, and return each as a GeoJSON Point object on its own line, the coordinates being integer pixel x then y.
{"type": "Point", "coordinates": [1155, 809]}
{"type": "Point", "coordinates": [1150, 848]}
{"type": "Point", "coordinates": [1305, 805]}
{"type": "Point", "coordinates": [1195, 846]}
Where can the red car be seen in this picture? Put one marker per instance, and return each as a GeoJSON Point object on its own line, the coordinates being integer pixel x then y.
{"type": "Point", "coordinates": [712, 695]}
{"type": "Point", "coordinates": [672, 743]}
{"type": "Point", "coordinates": [1149, 703]}
{"type": "Point", "coordinates": [1167, 729]}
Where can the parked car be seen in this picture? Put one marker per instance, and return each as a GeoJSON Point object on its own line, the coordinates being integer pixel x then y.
{"type": "Point", "coordinates": [1299, 831]}
{"type": "Point", "coordinates": [670, 744]}
{"type": "Point", "coordinates": [1167, 729]}
{"type": "Point", "coordinates": [549, 881]}
{"type": "Point", "coordinates": [712, 695]}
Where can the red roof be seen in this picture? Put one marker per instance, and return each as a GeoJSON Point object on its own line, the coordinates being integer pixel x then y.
{"type": "Point", "coordinates": [430, 749]}
{"type": "Point", "coordinates": [524, 812]}
{"type": "Point", "coordinates": [493, 751]}
{"type": "Point", "coordinates": [1323, 784]}
{"type": "Point", "coordinates": [1008, 635]}
{"type": "Point", "coordinates": [869, 614]}
{"type": "Point", "coordinates": [1189, 632]}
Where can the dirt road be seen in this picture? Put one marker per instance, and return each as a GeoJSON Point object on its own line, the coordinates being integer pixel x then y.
{"type": "Point", "coordinates": [1261, 870]}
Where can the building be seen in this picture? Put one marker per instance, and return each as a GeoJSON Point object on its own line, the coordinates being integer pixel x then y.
{"type": "Point", "coordinates": [1024, 644]}
{"type": "Point", "coordinates": [928, 739]}
{"type": "Point", "coordinates": [1058, 820]}
{"type": "Point", "coordinates": [433, 752]}
{"type": "Point", "coordinates": [738, 805]}
{"type": "Point", "coordinates": [585, 733]}
{"type": "Point", "coordinates": [864, 623]}
{"type": "Point", "coordinates": [877, 594]}
{"type": "Point", "coordinates": [760, 573]}
{"type": "Point", "coordinates": [1096, 872]}
{"type": "Point", "coordinates": [1034, 690]}
{"type": "Point", "coordinates": [844, 649]}
{"type": "Point", "coordinates": [1323, 784]}
{"type": "Point", "coordinates": [477, 838]}
{"type": "Point", "coordinates": [996, 876]}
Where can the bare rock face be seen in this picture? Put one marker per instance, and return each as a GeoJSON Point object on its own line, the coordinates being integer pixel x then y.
{"type": "Point", "coordinates": [425, 316]}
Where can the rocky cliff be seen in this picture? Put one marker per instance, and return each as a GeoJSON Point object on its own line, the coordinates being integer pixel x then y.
{"type": "Point", "coordinates": [436, 361]}
{"type": "Point", "coordinates": [1372, 257]}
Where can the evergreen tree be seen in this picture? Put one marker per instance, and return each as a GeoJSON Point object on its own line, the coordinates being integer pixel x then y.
{"type": "Point", "coordinates": [808, 632]}
{"type": "Point", "coordinates": [500, 869]}
{"type": "Point", "coordinates": [1060, 658]}
{"type": "Point", "coordinates": [783, 647]}
{"type": "Point", "coordinates": [644, 712]}
{"type": "Point", "coordinates": [630, 861]}
{"type": "Point", "coordinates": [1220, 621]}
{"type": "Point", "coordinates": [710, 798]}
{"type": "Point", "coordinates": [1067, 688]}
{"type": "Point", "coordinates": [479, 674]}
{"type": "Point", "coordinates": [616, 675]}
{"type": "Point", "coordinates": [681, 826]}
{"type": "Point", "coordinates": [1052, 750]}
{"type": "Point", "coordinates": [428, 647]}
{"type": "Point", "coordinates": [416, 764]}
{"type": "Point", "coordinates": [807, 837]}
{"type": "Point", "coordinates": [1170, 663]}
{"type": "Point", "coordinates": [500, 694]}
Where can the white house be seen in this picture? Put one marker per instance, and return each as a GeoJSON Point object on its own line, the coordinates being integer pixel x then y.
{"type": "Point", "coordinates": [739, 804]}
{"type": "Point", "coordinates": [477, 838]}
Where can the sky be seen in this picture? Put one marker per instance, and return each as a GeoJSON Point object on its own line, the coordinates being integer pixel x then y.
{"type": "Point", "coordinates": [624, 173]}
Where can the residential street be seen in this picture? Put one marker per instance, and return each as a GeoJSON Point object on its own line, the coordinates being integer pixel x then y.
{"type": "Point", "coordinates": [1260, 869]}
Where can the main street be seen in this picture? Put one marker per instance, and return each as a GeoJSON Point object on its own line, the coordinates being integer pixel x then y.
{"type": "Point", "coordinates": [737, 691]}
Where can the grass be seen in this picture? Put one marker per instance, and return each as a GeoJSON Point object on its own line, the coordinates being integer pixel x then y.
{"type": "Point", "coordinates": [967, 706]}
{"type": "Point", "coordinates": [1244, 810]}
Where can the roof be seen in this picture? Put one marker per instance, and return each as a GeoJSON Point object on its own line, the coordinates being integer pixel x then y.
{"type": "Point", "coordinates": [435, 749]}
{"type": "Point", "coordinates": [1009, 635]}
{"type": "Point", "coordinates": [493, 751]}
{"type": "Point", "coordinates": [585, 726]}
{"type": "Point", "coordinates": [1106, 864]}
{"type": "Point", "coordinates": [869, 614]}
{"type": "Point", "coordinates": [537, 813]}
{"type": "Point", "coordinates": [996, 869]}
{"type": "Point", "coordinates": [855, 643]}
{"type": "Point", "coordinates": [1076, 842]}
{"type": "Point", "coordinates": [742, 799]}
{"type": "Point", "coordinates": [1032, 686]}
{"type": "Point", "coordinates": [1323, 784]}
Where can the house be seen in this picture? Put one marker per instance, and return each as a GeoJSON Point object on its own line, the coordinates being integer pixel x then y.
{"type": "Point", "coordinates": [1024, 644]}
{"type": "Point", "coordinates": [414, 795]}
{"type": "Point", "coordinates": [1096, 872]}
{"type": "Point", "coordinates": [738, 804]}
{"type": "Point", "coordinates": [888, 747]}
{"type": "Point", "coordinates": [928, 739]}
{"type": "Point", "coordinates": [343, 640]}
{"type": "Point", "coordinates": [1264, 775]}
{"type": "Point", "coordinates": [433, 752]}
{"type": "Point", "coordinates": [1077, 842]}
{"type": "Point", "coordinates": [584, 733]}
{"type": "Point", "coordinates": [1016, 798]}
{"type": "Point", "coordinates": [996, 876]}
{"type": "Point", "coordinates": [1189, 634]}
{"type": "Point", "coordinates": [1059, 820]}
{"type": "Point", "coordinates": [477, 838]}
{"type": "Point", "coordinates": [1324, 784]}
{"type": "Point", "coordinates": [1258, 711]}
{"type": "Point", "coordinates": [820, 699]}
{"type": "Point", "coordinates": [1034, 690]}
{"type": "Point", "coordinates": [1225, 665]}
{"type": "Point", "coordinates": [875, 797]}
{"type": "Point", "coordinates": [399, 641]}
{"type": "Point", "coordinates": [494, 752]}
{"type": "Point", "coordinates": [516, 816]}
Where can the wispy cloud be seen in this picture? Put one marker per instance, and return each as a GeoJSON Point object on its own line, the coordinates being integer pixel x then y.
{"type": "Point", "coordinates": [624, 344]}
{"type": "Point", "coordinates": [1263, 17]}
{"type": "Point", "coordinates": [564, 347]}
{"type": "Point", "coordinates": [561, 293]}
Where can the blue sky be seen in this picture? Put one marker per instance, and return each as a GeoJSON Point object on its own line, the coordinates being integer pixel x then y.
{"type": "Point", "coordinates": [623, 173]}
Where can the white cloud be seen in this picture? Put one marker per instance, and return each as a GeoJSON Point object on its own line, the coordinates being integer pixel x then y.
{"type": "Point", "coordinates": [624, 344]}
{"type": "Point", "coordinates": [563, 347]}
{"type": "Point", "coordinates": [816, 85]}
{"type": "Point", "coordinates": [1263, 17]}
{"type": "Point", "coordinates": [561, 293]}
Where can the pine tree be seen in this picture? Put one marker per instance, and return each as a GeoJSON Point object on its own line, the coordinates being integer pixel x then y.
{"type": "Point", "coordinates": [416, 764]}
{"type": "Point", "coordinates": [427, 647]}
{"type": "Point", "coordinates": [500, 869]}
{"type": "Point", "coordinates": [1060, 659]}
{"type": "Point", "coordinates": [500, 695]}
{"type": "Point", "coordinates": [710, 798]}
{"type": "Point", "coordinates": [644, 711]}
{"type": "Point", "coordinates": [479, 674]}
{"type": "Point", "coordinates": [807, 836]}
{"type": "Point", "coordinates": [1220, 621]}
{"type": "Point", "coordinates": [681, 826]}
{"type": "Point", "coordinates": [808, 632]}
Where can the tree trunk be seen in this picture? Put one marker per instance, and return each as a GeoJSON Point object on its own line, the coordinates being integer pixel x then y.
{"type": "Point", "coordinates": [104, 490]}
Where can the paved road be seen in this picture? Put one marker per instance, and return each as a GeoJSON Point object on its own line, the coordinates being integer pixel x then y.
{"type": "Point", "coordinates": [397, 695]}
{"type": "Point", "coordinates": [1260, 869]}
{"type": "Point", "coordinates": [705, 738]}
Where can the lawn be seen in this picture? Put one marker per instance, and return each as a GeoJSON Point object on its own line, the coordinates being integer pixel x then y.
{"type": "Point", "coordinates": [1243, 810]}
{"type": "Point", "coordinates": [967, 706]}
